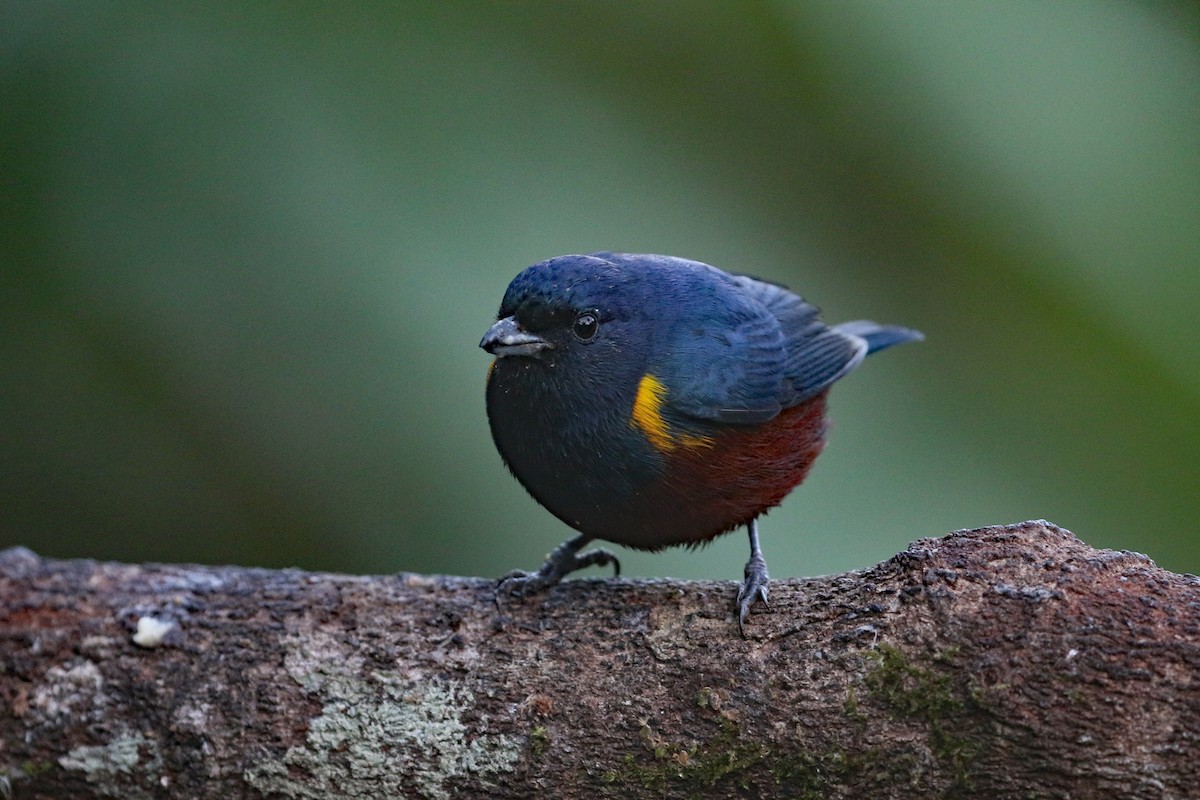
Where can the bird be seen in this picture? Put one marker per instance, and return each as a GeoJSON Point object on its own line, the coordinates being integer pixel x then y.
{"type": "Point", "coordinates": [652, 401]}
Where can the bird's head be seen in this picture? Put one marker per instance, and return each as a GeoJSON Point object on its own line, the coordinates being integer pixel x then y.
{"type": "Point", "coordinates": [581, 318]}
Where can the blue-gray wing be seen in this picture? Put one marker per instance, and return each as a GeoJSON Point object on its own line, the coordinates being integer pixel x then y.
{"type": "Point", "coordinates": [728, 365]}
{"type": "Point", "coordinates": [816, 354]}
{"type": "Point", "coordinates": [740, 349]}
{"type": "Point", "coordinates": [766, 350]}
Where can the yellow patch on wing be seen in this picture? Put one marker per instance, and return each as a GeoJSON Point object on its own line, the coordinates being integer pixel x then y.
{"type": "Point", "coordinates": [647, 416]}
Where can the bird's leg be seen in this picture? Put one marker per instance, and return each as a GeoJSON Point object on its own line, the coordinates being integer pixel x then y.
{"type": "Point", "coordinates": [562, 561]}
{"type": "Point", "coordinates": [754, 587]}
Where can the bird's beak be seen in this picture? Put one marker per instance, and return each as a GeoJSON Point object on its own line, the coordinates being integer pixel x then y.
{"type": "Point", "coordinates": [506, 338]}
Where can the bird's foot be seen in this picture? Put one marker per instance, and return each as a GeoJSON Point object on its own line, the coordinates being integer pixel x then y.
{"type": "Point", "coordinates": [753, 588]}
{"type": "Point", "coordinates": [562, 561]}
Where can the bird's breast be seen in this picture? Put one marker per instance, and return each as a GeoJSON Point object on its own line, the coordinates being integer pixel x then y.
{"type": "Point", "coordinates": [576, 452]}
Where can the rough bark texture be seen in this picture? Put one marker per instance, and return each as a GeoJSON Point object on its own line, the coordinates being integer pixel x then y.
{"type": "Point", "coordinates": [1002, 663]}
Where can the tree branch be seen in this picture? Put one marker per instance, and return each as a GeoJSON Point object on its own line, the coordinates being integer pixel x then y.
{"type": "Point", "coordinates": [1001, 662]}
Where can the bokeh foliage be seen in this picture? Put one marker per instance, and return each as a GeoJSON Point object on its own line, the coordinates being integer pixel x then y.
{"type": "Point", "coordinates": [249, 249]}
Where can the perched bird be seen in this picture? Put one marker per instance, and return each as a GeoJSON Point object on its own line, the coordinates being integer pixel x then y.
{"type": "Point", "coordinates": [653, 401]}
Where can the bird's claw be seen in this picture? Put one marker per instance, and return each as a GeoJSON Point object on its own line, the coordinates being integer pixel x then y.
{"type": "Point", "coordinates": [753, 589]}
{"type": "Point", "coordinates": [597, 558]}
{"type": "Point", "coordinates": [562, 561]}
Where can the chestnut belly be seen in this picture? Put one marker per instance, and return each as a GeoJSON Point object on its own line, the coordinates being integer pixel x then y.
{"type": "Point", "coordinates": [706, 491]}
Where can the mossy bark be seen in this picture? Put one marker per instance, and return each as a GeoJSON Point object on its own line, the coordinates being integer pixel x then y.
{"type": "Point", "coordinates": [1002, 662]}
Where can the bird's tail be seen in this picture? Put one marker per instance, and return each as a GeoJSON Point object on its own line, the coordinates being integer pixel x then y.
{"type": "Point", "coordinates": [879, 336]}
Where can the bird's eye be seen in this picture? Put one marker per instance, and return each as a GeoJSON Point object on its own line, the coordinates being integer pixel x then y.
{"type": "Point", "coordinates": [586, 325]}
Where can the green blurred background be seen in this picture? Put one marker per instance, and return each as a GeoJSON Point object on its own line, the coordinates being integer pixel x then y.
{"type": "Point", "coordinates": [249, 250]}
